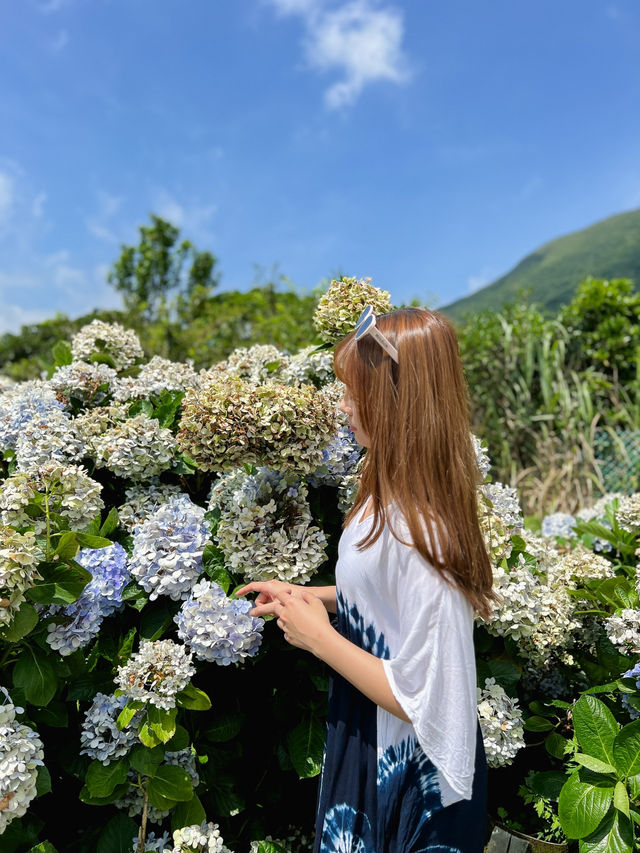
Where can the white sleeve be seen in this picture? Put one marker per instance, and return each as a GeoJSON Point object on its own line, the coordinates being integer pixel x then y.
{"type": "Point", "coordinates": [432, 671]}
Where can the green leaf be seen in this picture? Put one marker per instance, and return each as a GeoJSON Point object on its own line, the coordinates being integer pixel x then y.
{"type": "Point", "coordinates": [102, 778]}
{"type": "Point", "coordinates": [547, 784]}
{"type": "Point", "coordinates": [119, 791]}
{"type": "Point", "coordinates": [87, 540]}
{"type": "Point", "coordinates": [621, 798]}
{"type": "Point", "coordinates": [54, 715]}
{"type": "Point", "coordinates": [614, 835]}
{"type": "Point", "coordinates": [61, 352]}
{"type": "Point", "coordinates": [126, 647]}
{"type": "Point", "coordinates": [193, 699]}
{"type": "Point", "coordinates": [34, 673]}
{"type": "Point", "coordinates": [135, 596]}
{"type": "Point", "coordinates": [43, 847]}
{"type": "Point", "coordinates": [128, 712]}
{"type": "Point", "coordinates": [555, 745]}
{"type": "Point", "coordinates": [594, 764]}
{"type": "Point", "coordinates": [110, 523]}
{"type": "Point", "coordinates": [145, 760]}
{"type": "Point", "coordinates": [67, 545]}
{"type": "Point", "coordinates": [306, 747]}
{"type": "Point", "coordinates": [171, 783]}
{"type": "Point", "coordinates": [634, 786]}
{"type": "Point", "coordinates": [61, 583]}
{"type": "Point", "coordinates": [188, 813]}
{"type": "Point", "coordinates": [43, 781]}
{"type": "Point", "coordinates": [156, 620]}
{"type": "Point", "coordinates": [140, 407]}
{"type": "Point", "coordinates": [224, 727]}
{"type": "Point", "coordinates": [538, 724]}
{"type": "Point", "coordinates": [180, 740]}
{"type": "Point", "coordinates": [626, 749]}
{"type": "Point", "coordinates": [118, 835]}
{"type": "Point", "coordinates": [269, 847]}
{"type": "Point", "coordinates": [24, 621]}
{"type": "Point", "coordinates": [595, 728]}
{"type": "Point", "coordinates": [582, 806]}
{"type": "Point", "coordinates": [147, 736]}
{"type": "Point", "coordinates": [162, 723]}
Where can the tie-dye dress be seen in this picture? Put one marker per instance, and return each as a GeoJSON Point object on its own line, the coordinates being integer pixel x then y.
{"type": "Point", "coordinates": [387, 785]}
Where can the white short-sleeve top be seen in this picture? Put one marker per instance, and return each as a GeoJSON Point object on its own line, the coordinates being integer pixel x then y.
{"type": "Point", "coordinates": [428, 656]}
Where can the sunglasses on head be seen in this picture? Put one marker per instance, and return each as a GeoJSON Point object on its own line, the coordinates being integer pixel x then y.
{"type": "Point", "coordinates": [366, 325]}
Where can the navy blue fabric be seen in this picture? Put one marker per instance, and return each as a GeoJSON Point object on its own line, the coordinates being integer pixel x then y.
{"type": "Point", "coordinates": [391, 805]}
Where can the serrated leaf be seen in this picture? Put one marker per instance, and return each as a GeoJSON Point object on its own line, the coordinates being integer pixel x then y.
{"type": "Point", "coordinates": [582, 806]}
{"type": "Point", "coordinates": [43, 781]}
{"type": "Point", "coordinates": [43, 847]}
{"type": "Point", "coordinates": [119, 791]}
{"type": "Point", "coordinates": [594, 764]}
{"type": "Point", "coordinates": [547, 784]}
{"type": "Point", "coordinates": [34, 674]}
{"type": "Point", "coordinates": [306, 747]}
{"type": "Point", "coordinates": [187, 814]}
{"type": "Point", "coordinates": [224, 727]}
{"type": "Point", "coordinates": [145, 760]}
{"type": "Point", "coordinates": [24, 621]}
{"type": "Point", "coordinates": [88, 540]}
{"type": "Point", "coordinates": [193, 699]}
{"type": "Point", "coordinates": [626, 749]}
{"type": "Point", "coordinates": [614, 835]}
{"type": "Point", "coordinates": [128, 712]}
{"type": "Point", "coordinates": [110, 523]}
{"type": "Point", "coordinates": [621, 798]}
{"type": "Point", "coordinates": [595, 728]}
{"type": "Point", "coordinates": [538, 724]}
{"type": "Point", "coordinates": [162, 722]}
{"type": "Point", "coordinates": [67, 545]}
{"type": "Point", "coordinates": [555, 745]}
{"type": "Point", "coordinates": [101, 778]}
{"type": "Point", "coordinates": [118, 835]}
{"type": "Point", "coordinates": [180, 740]}
{"type": "Point", "coordinates": [269, 847]}
{"type": "Point", "coordinates": [61, 352]}
{"type": "Point", "coordinates": [61, 583]}
{"type": "Point", "coordinates": [171, 783]}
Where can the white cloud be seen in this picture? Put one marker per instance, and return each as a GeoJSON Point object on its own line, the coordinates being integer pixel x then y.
{"type": "Point", "coordinates": [12, 317]}
{"type": "Point", "coordinates": [359, 39]}
{"type": "Point", "coordinates": [37, 206]}
{"type": "Point", "coordinates": [193, 218]}
{"type": "Point", "coordinates": [6, 198]}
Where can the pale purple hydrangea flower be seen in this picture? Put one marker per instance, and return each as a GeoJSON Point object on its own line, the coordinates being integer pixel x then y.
{"type": "Point", "coordinates": [217, 628]}
{"type": "Point", "coordinates": [21, 404]}
{"type": "Point", "coordinates": [100, 737]}
{"type": "Point", "coordinates": [21, 754]}
{"type": "Point", "coordinates": [338, 459]}
{"type": "Point", "coordinates": [558, 524]}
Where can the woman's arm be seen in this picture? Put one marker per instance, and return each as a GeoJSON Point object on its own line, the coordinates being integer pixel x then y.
{"type": "Point", "coordinates": [268, 592]}
{"type": "Point", "coordinates": [306, 625]}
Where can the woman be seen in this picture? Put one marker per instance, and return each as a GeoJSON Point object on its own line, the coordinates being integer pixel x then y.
{"type": "Point", "coordinates": [404, 769]}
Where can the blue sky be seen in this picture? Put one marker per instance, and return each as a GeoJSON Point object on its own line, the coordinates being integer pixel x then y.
{"type": "Point", "coordinates": [427, 145]}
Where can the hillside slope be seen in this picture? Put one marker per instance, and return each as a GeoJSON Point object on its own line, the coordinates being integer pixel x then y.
{"type": "Point", "coordinates": [608, 249]}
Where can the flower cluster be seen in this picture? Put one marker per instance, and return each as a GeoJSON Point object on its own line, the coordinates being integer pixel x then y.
{"type": "Point", "coordinates": [482, 457]}
{"type": "Point", "coordinates": [231, 422]}
{"type": "Point", "coordinates": [629, 708]}
{"type": "Point", "coordinates": [339, 308]}
{"type": "Point", "coordinates": [597, 513]}
{"type": "Point", "coordinates": [501, 723]}
{"type": "Point", "coordinates": [266, 528]}
{"type": "Point", "coordinates": [44, 440]}
{"type": "Point", "coordinates": [75, 624]}
{"type": "Point", "coordinates": [21, 754]}
{"type": "Point", "coordinates": [153, 843]}
{"type": "Point", "coordinates": [500, 517]}
{"type": "Point", "coordinates": [160, 374]}
{"type": "Point", "coordinates": [558, 525]}
{"type": "Point", "coordinates": [71, 493]}
{"type": "Point", "coordinates": [205, 838]}
{"type": "Point", "coordinates": [156, 673]}
{"type": "Point", "coordinates": [218, 628]}
{"type": "Point", "coordinates": [100, 737]}
{"type": "Point", "coordinates": [623, 629]}
{"type": "Point", "coordinates": [308, 367]}
{"type": "Point", "coordinates": [142, 500]}
{"type": "Point", "coordinates": [257, 364]}
{"type": "Point", "coordinates": [582, 564]}
{"type": "Point", "coordinates": [133, 800]}
{"type": "Point", "coordinates": [111, 339]}
{"type": "Point", "coordinates": [338, 459]}
{"type": "Point", "coordinates": [348, 487]}
{"type": "Point", "coordinates": [167, 548]}
{"type": "Point", "coordinates": [137, 448]}
{"type": "Point", "coordinates": [628, 513]}
{"type": "Point", "coordinates": [93, 423]}
{"type": "Point", "coordinates": [83, 382]}
{"type": "Point", "coordinates": [19, 557]}
{"type": "Point", "coordinates": [22, 403]}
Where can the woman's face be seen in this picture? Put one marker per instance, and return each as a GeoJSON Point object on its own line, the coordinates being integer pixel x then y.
{"type": "Point", "coordinates": [348, 406]}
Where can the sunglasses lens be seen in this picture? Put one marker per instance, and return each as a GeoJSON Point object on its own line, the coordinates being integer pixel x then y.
{"type": "Point", "coordinates": [368, 310]}
{"type": "Point", "coordinates": [368, 321]}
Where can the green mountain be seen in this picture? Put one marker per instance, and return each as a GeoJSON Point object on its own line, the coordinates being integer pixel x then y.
{"type": "Point", "coordinates": [608, 249]}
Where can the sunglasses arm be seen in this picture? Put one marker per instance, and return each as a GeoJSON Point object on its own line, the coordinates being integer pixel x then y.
{"type": "Point", "coordinates": [384, 343]}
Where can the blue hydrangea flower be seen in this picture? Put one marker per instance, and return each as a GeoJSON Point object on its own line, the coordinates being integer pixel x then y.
{"type": "Point", "coordinates": [167, 548]}
{"type": "Point", "coordinates": [30, 401]}
{"type": "Point", "coordinates": [558, 524]}
{"type": "Point", "coordinates": [100, 737]}
{"type": "Point", "coordinates": [338, 459]}
{"type": "Point", "coordinates": [101, 597]}
{"type": "Point", "coordinates": [217, 628]}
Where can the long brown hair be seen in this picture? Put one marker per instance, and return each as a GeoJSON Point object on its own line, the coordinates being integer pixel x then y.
{"type": "Point", "coordinates": [416, 414]}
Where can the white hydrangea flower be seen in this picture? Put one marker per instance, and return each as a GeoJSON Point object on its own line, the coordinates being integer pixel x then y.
{"type": "Point", "coordinates": [143, 499]}
{"type": "Point", "coordinates": [160, 374]}
{"type": "Point", "coordinates": [628, 514]}
{"type": "Point", "coordinates": [137, 448]}
{"type": "Point", "coordinates": [153, 843]}
{"type": "Point", "coordinates": [307, 366]}
{"type": "Point", "coordinates": [266, 528]}
{"type": "Point", "coordinates": [113, 339]}
{"type": "Point", "coordinates": [582, 564]}
{"type": "Point", "coordinates": [42, 441]}
{"type": "Point", "coordinates": [500, 518]}
{"type": "Point", "coordinates": [19, 558]}
{"type": "Point", "coordinates": [205, 838]}
{"type": "Point", "coordinates": [156, 673]}
{"type": "Point", "coordinates": [339, 308]}
{"type": "Point", "coordinates": [505, 504]}
{"type": "Point", "coordinates": [168, 547]}
{"type": "Point", "coordinates": [21, 754]}
{"type": "Point", "coordinates": [623, 629]}
{"type": "Point", "coordinates": [16, 492]}
{"type": "Point", "coordinates": [100, 737]}
{"type": "Point", "coordinates": [86, 382]}
{"type": "Point", "coordinates": [257, 364]}
{"type": "Point", "coordinates": [218, 628]}
{"type": "Point", "coordinates": [546, 556]}
{"type": "Point", "coordinates": [501, 723]}
{"type": "Point", "coordinates": [22, 403]}
{"type": "Point", "coordinates": [482, 457]}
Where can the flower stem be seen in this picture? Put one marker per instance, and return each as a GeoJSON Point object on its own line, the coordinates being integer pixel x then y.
{"type": "Point", "coordinates": [142, 834]}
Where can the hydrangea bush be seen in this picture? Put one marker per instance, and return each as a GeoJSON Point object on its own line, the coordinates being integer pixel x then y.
{"type": "Point", "coordinates": [136, 498]}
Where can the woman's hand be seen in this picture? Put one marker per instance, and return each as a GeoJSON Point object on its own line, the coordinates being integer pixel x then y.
{"type": "Point", "coordinates": [303, 620]}
{"type": "Point", "coordinates": [268, 592]}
